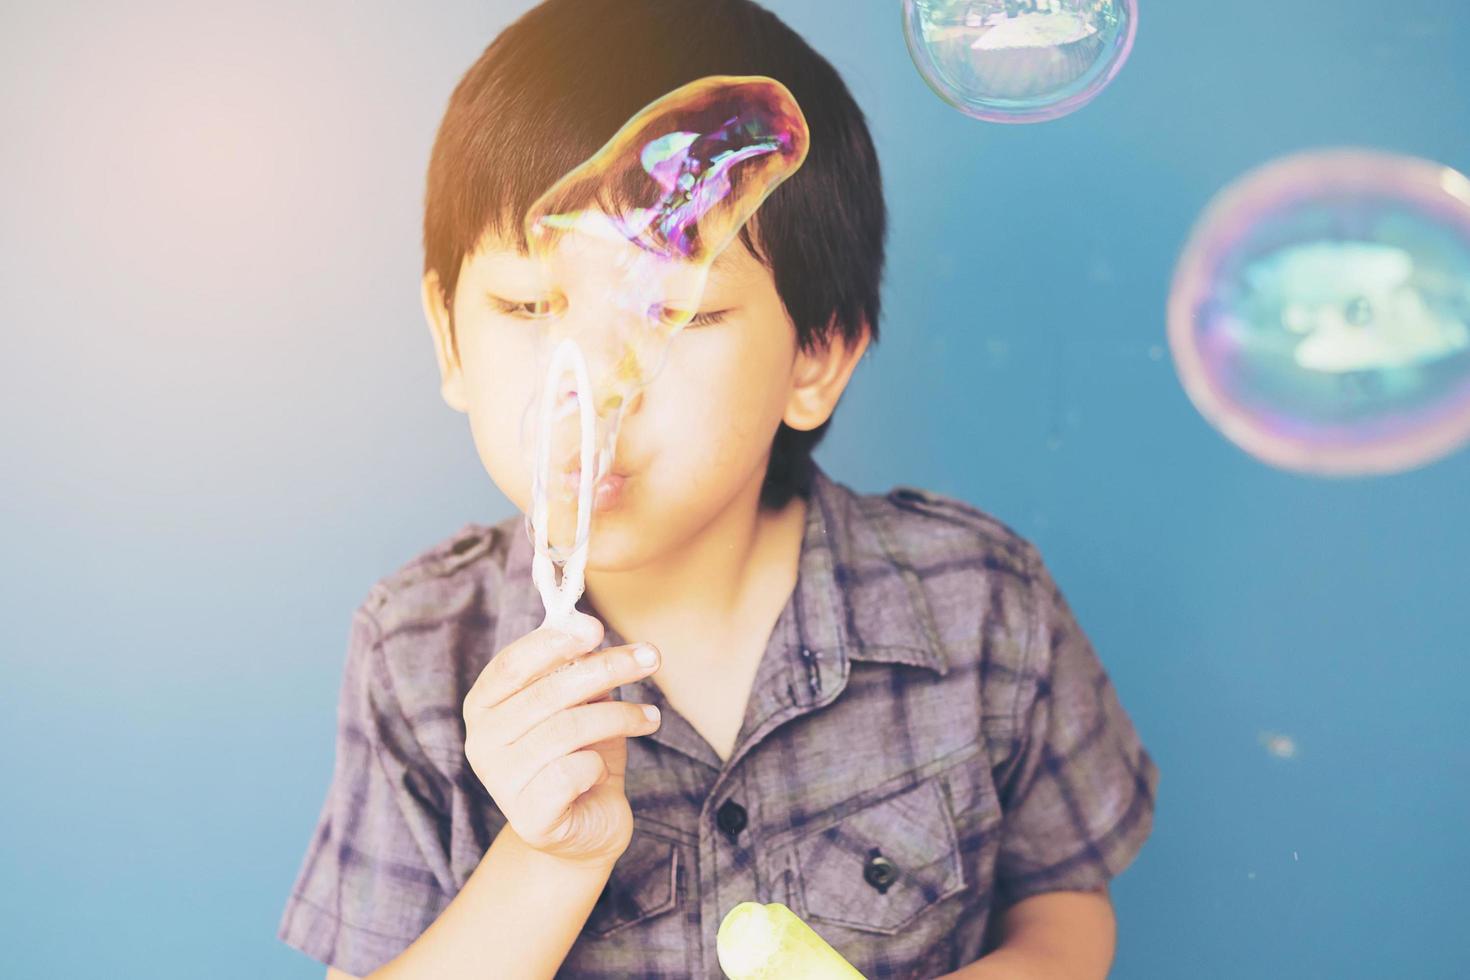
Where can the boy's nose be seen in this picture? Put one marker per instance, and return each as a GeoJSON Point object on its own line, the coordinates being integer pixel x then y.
{"type": "Point", "coordinates": [566, 438]}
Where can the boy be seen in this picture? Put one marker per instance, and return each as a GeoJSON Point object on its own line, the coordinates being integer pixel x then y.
{"type": "Point", "coordinates": [875, 709]}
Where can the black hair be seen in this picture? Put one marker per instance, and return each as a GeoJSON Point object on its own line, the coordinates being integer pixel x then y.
{"type": "Point", "coordinates": [556, 85]}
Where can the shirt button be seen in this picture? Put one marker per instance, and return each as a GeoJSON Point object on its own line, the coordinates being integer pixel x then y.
{"type": "Point", "coordinates": [731, 819]}
{"type": "Point", "coordinates": [879, 871]}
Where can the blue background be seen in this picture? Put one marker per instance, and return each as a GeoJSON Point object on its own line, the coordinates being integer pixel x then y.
{"type": "Point", "coordinates": [223, 424]}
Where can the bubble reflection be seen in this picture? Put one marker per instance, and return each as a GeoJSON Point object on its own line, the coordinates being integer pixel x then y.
{"type": "Point", "coordinates": [1320, 313]}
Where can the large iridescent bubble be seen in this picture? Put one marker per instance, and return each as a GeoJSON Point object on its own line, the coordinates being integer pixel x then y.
{"type": "Point", "coordinates": [624, 244]}
{"type": "Point", "coordinates": [1019, 61]}
{"type": "Point", "coordinates": [1320, 313]}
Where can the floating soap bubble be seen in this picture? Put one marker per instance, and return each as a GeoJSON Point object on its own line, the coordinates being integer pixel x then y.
{"type": "Point", "coordinates": [1320, 313]}
{"type": "Point", "coordinates": [1019, 61]}
{"type": "Point", "coordinates": [624, 243]}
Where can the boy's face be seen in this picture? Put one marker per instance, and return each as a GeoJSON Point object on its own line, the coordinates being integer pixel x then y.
{"type": "Point", "coordinates": [693, 441]}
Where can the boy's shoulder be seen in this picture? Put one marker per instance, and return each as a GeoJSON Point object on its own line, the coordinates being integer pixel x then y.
{"type": "Point", "coordinates": [929, 527]}
{"type": "Point", "coordinates": [933, 580]}
{"type": "Point", "coordinates": [431, 626]}
{"type": "Point", "coordinates": [439, 578]}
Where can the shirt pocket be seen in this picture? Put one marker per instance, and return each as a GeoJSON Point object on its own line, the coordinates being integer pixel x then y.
{"type": "Point", "coordinates": [879, 869]}
{"type": "Point", "coordinates": [643, 884]}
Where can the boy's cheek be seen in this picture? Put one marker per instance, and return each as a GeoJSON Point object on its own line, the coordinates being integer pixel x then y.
{"type": "Point", "coordinates": [700, 416]}
{"type": "Point", "coordinates": [497, 442]}
{"type": "Point", "coordinates": [729, 412]}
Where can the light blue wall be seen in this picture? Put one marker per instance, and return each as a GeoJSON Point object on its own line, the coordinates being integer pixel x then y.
{"type": "Point", "coordinates": [222, 426]}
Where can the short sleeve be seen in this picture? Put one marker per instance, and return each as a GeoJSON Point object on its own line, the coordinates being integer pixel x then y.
{"type": "Point", "coordinates": [1077, 792]}
{"type": "Point", "coordinates": [375, 874]}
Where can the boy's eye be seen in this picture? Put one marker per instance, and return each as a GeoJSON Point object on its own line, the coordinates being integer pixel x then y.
{"type": "Point", "coordinates": [540, 309]}
{"type": "Point", "coordinates": [531, 309]}
{"type": "Point", "coordinates": [670, 317]}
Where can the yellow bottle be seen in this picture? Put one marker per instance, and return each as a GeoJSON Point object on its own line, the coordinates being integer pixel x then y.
{"type": "Point", "coordinates": [766, 942]}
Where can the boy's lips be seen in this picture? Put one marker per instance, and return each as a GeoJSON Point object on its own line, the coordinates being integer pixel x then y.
{"type": "Point", "coordinates": [607, 492]}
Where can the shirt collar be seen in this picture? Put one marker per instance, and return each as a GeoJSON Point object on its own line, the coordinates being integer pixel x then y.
{"type": "Point", "coordinates": [857, 596]}
{"type": "Point", "coordinates": [862, 598]}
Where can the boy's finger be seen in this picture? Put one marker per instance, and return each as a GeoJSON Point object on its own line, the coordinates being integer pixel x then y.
{"type": "Point", "coordinates": [527, 658]}
{"type": "Point", "coordinates": [586, 680]}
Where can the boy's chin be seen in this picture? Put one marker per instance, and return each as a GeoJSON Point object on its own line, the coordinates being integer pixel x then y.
{"type": "Point", "coordinates": [617, 546]}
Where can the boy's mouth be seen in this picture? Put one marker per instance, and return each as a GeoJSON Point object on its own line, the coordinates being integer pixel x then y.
{"type": "Point", "coordinates": [605, 495]}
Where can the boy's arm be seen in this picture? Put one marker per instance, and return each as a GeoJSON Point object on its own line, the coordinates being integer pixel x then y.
{"type": "Point", "coordinates": [1077, 755]}
{"type": "Point", "coordinates": [490, 929]}
{"type": "Point", "coordinates": [1062, 935]}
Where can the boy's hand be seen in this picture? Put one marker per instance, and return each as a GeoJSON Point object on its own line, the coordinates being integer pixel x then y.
{"type": "Point", "coordinates": [544, 735]}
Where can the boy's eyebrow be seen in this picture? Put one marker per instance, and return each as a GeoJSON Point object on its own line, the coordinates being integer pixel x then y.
{"type": "Point", "coordinates": [511, 259]}
{"type": "Point", "coordinates": [507, 257]}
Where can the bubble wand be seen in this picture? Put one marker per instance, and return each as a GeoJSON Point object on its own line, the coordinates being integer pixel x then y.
{"type": "Point", "coordinates": [559, 593]}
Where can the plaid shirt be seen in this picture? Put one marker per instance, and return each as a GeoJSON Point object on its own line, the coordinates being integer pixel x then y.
{"type": "Point", "coordinates": [929, 737]}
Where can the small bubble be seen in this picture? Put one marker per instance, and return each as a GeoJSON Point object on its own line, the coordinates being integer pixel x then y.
{"type": "Point", "coordinates": [1024, 61]}
{"type": "Point", "coordinates": [1156, 353]}
{"type": "Point", "coordinates": [1281, 746]}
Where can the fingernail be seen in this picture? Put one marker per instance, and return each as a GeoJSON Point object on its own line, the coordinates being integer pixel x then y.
{"type": "Point", "coordinates": [645, 655]}
{"type": "Point", "coordinates": [650, 712]}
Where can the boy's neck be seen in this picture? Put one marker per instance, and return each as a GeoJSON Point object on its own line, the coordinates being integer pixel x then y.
{"type": "Point", "coordinates": [737, 572]}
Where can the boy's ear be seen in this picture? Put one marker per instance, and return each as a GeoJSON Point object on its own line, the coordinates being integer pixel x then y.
{"type": "Point", "coordinates": [451, 379]}
{"type": "Point", "coordinates": [819, 378]}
